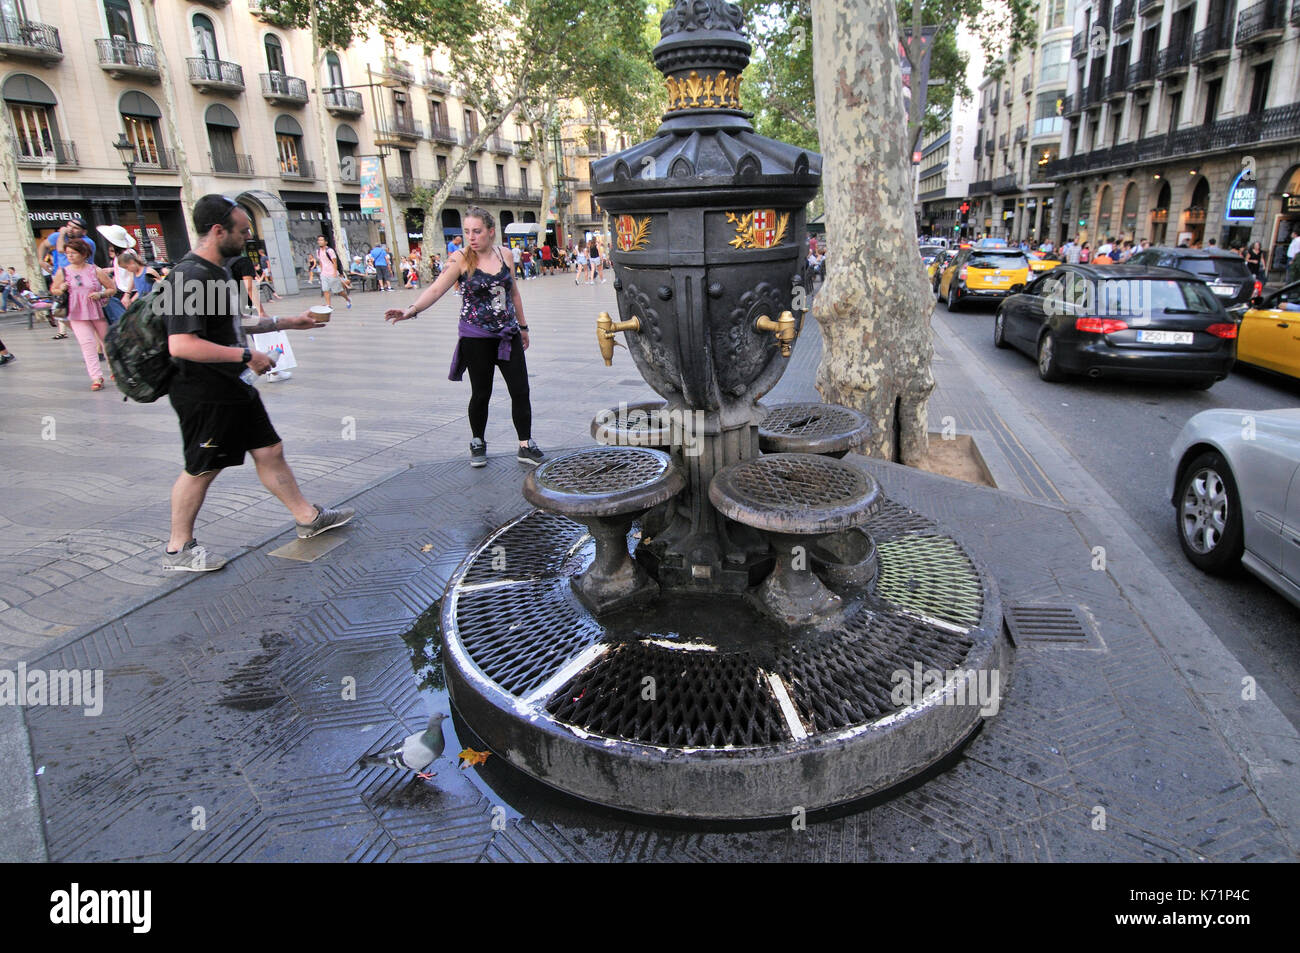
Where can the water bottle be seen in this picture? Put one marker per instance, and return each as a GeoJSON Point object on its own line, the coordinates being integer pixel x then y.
{"type": "Point", "coordinates": [248, 377]}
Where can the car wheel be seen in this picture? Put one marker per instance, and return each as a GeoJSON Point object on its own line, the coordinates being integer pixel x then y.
{"type": "Point", "coordinates": [999, 330]}
{"type": "Point", "coordinates": [1049, 367]}
{"type": "Point", "coordinates": [952, 298]}
{"type": "Point", "coordinates": [1208, 511]}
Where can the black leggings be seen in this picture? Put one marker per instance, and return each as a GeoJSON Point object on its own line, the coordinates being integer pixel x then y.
{"type": "Point", "coordinates": [480, 356]}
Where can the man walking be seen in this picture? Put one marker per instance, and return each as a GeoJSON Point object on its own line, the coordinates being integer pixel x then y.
{"type": "Point", "coordinates": [1293, 257]}
{"type": "Point", "coordinates": [331, 275]}
{"type": "Point", "coordinates": [379, 255]}
{"type": "Point", "coordinates": [220, 412]}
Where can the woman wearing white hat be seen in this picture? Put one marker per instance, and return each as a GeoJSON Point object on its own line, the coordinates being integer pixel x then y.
{"type": "Point", "coordinates": [119, 240]}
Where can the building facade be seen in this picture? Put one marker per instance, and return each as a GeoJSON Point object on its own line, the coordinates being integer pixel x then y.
{"type": "Point", "coordinates": [1019, 134]}
{"type": "Point", "coordinates": [1183, 123]}
{"type": "Point", "coordinates": [76, 74]}
{"type": "Point", "coordinates": [945, 174]}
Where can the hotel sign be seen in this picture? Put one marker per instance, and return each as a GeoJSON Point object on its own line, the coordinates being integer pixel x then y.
{"type": "Point", "coordinates": [1241, 199]}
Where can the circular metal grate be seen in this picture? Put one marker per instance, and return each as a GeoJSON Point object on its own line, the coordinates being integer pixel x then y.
{"type": "Point", "coordinates": [812, 428]}
{"type": "Point", "coordinates": [603, 470]}
{"type": "Point", "coordinates": [795, 493]}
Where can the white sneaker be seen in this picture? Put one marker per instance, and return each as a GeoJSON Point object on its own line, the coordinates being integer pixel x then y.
{"type": "Point", "coordinates": [273, 376]}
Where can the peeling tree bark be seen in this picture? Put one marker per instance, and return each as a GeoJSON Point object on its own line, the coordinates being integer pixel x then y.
{"type": "Point", "coordinates": [874, 308]}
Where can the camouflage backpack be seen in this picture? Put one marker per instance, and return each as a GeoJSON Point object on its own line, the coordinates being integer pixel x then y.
{"type": "Point", "coordinates": [137, 349]}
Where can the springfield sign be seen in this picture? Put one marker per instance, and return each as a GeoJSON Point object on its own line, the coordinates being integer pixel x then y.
{"type": "Point", "coordinates": [1241, 199]}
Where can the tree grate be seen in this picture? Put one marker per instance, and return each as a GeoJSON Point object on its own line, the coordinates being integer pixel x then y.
{"type": "Point", "coordinates": [894, 519]}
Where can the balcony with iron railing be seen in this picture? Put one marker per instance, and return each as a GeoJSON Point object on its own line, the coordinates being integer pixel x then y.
{"type": "Point", "coordinates": [1117, 81]}
{"type": "Point", "coordinates": [1005, 184]}
{"type": "Point", "coordinates": [1078, 46]}
{"type": "Point", "coordinates": [1122, 18]}
{"type": "Point", "coordinates": [1141, 74]}
{"type": "Point", "coordinates": [215, 76]}
{"type": "Point", "coordinates": [399, 70]}
{"type": "Point", "coordinates": [1006, 96]}
{"type": "Point", "coordinates": [223, 163]}
{"type": "Point", "coordinates": [496, 144]}
{"type": "Point", "coordinates": [981, 111]}
{"type": "Point", "coordinates": [1095, 92]}
{"type": "Point", "coordinates": [1282, 123]}
{"type": "Point", "coordinates": [980, 187]}
{"type": "Point", "coordinates": [397, 129]}
{"type": "Point", "coordinates": [29, 40]}
{"type": "Point", "coordinates": [1149, 8]}
{"type": "Point", "coordinates": [1022, 133]}
{"type": "Point", "coordinates": [437, 82]}
{"type": "Point", "coordinates": [122, 59]}
{"type": "Point", "coordinates": [283, 90]}
{"type": "Point", "coordinates": [400, 185]}
{"type": "Point", "coordinates": [1173, 59]}
{"type": "Point", "coordinates": [159, 160]}
{"type": "Point", "coordinates": [50, 153]}
{"type": "Point", "coordinates": [297, 169]}
{"type": "Point", "coordinates": [443, 134]}
{"type": "Point", "coordinates": [344, 102]}
{"type": "Point", "coordinates": [1070, 105]}
{"type": "Point", "coordinates": [1002, 141]}
{"type": "Point", "coordinates": [1261, 23]}
{"type": "Point", "coordinates": [989, 147]}
{"type": "Point", "coordinates": [993, 106]}
{"type": "Point", "coordinates": [1212, 44]}
{"type": "Point", "coordinates": [268, 11]}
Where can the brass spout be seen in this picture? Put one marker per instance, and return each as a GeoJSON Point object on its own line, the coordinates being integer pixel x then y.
{"type": "Point", "coordinates": [783, 328]}
{"type": "Point", "coordinates": [607, 334]}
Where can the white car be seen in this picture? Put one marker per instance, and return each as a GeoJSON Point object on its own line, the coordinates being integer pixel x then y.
{"type": "Point", "coordinates": [1236, 494]}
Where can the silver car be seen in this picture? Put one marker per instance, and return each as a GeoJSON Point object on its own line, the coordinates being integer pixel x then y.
{"type": "Point", "coordinates": [1236, 494]}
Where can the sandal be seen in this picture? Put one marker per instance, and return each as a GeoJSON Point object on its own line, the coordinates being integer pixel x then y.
{"type": "Point", "coordinates": [97, 384]}
{"type": "Point", "coordinates": [60, 336]}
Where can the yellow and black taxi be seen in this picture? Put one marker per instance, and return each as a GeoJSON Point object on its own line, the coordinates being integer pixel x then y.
{"type": "Point", "coordinates": [1039, 263]}
{"type": "Point", "coordinates": [934, 266]}
{"type": "Point", "coordinates": [987, 273]}
{"type": "Point", "coordinates": [1269, 334]}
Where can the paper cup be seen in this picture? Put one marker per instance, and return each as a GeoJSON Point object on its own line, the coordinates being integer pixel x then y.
{"type": "Point", "coordinates": [321, 313]}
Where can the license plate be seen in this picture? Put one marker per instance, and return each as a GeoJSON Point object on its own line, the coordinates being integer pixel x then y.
{"type": "Point", "coordinates": [997, 280]}
{"type": "Point", "coordinates": [1164, 337]}
{"type": "Point", "coordinates": [1223, 291]}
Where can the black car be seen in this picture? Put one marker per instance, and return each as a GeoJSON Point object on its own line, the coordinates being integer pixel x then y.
{"type": "Point", "coordinates": [1226, 274]}
{"type": "Point", "coordinates": [1120, 321]}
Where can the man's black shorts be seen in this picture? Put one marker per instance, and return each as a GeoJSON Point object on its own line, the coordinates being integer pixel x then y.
{"type": "Point", "coordinates": [381, 272]}
{"type": "Point", "coordinates": [218, 435]}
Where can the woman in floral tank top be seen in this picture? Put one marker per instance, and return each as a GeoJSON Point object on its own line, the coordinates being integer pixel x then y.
{"type": "Point", "coordinates": [492, 332]}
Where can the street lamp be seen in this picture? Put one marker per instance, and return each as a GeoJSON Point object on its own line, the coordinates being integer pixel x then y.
{"type": "Point", "coordinates": [126, 149]}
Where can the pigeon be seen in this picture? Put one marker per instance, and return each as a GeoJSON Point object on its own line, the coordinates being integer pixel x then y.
{"type": "Point", "coordinates": [417, 753]}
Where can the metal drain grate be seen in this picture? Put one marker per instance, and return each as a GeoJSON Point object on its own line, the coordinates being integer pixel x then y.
{"type": "Point", "coordinates": [537, 545]}
{"type": "Point", "coordinates": [930, 575]}
{"type": "Point", "coordinates": [700, 699]}
{"type": "Point", "coordinates": [799, 482]}
{"type": "Point", "coordinates": [520, 636]}
{"type": "Point", "coordinates": [1066, 626]}
{"type": "Point", "coordinates": [809, 420]}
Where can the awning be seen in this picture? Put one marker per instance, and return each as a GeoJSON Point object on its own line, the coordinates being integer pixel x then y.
{"type": "Point", "coordinates": [21, 88]}
{"type": "Point", "coordinates": [524, 228]}
{"type": "Point", "coordinates": [288, 126]}
{"type": "Point", "coordinates": [219, 115]}
{"type": "Point", "coordinates": [345, 133]}
{"type": "Point", "coordinates": [133, 103]}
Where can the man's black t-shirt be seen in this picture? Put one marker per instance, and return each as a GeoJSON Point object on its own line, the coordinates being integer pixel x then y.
{"type": "Point", "coordinates": [209, 308]}
{"type": "Point", "coordinates": [241, 266]}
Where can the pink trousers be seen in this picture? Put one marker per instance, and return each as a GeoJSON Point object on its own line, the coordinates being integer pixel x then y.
{"type": "Point", "coordinates": [90, 335]}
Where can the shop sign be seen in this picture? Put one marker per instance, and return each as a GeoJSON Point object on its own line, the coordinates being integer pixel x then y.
{"type": "Point", "coordinates": [57, 218]}
{"type": "Point", "coordinates": [1291, 205]}
{"type": "Point", "coordinates": [371, 199]}
{"type": "Point", "coordinates": [1241, 199]}
{"type": "Point", "coordinates": [155, 238]}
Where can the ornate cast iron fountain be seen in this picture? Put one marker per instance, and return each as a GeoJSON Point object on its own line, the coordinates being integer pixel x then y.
{"type": "Point", "coordinates": [709, 612]}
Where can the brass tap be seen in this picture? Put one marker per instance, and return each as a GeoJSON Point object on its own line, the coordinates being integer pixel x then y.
{"type": "Point", "coordinates": [607, 334]}
{"type": "Point", "coordinates": [783, 328]}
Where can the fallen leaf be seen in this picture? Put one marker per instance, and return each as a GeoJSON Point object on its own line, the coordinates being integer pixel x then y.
{"type": "Point", "coordinates": [426, 547]}
{"type": "Point", "coordinates": [470, 757]}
